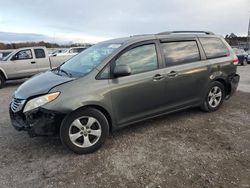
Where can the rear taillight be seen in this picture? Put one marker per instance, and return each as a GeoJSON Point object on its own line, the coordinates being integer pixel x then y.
{"type": "Point", "coordinates": [235, 60]}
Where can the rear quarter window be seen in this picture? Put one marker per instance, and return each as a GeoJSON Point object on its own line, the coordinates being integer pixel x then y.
{"type": "Point", "coordinates": [214, 47]}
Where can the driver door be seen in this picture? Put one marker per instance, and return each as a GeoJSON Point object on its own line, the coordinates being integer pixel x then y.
{"type": "Point", "coordinates": [24, 64]}
{"type": "Point", "coordinates": [140, 94]}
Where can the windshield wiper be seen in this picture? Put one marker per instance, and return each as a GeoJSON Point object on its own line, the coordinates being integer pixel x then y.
{"type": "Point", "coordinates": [58, 69]}
{"type": "Point", "coordinates": [65, 72]}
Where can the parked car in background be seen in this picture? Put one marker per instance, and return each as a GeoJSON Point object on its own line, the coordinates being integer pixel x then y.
{"type": "Point", "coordinates": [122, 81]}
{"type": "Point", "coordinates": [55, 52]}
{"type": "Point", "coordinates": [248, 56]}
{"type": "Point", "coordinates": [26, 62]}
{"type": "Point", "coordinates": [242, 56]}
{"type": "Point", "coordinates": [71, 51]}
{"type": "Point", "coordinates": [4, 53]}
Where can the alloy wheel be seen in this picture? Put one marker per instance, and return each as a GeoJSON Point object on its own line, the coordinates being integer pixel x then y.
{"type": "Point", "coordinates": [85, 131]}
{"type": "Point", "coordinates": [215, 96]}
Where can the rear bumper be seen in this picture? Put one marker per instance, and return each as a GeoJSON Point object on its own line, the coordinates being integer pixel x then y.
{"type": "Point", "coordinates": [233, 82]}
{"type": "Point", "coordinates": [38, 122]}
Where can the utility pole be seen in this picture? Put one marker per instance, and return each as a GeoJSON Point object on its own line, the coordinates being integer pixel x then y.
{"type": "Point", "coordinates": [248, 35]}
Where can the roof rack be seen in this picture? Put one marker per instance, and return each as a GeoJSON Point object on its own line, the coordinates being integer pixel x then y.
{"type": "Point", "coordinates": [170, 32]}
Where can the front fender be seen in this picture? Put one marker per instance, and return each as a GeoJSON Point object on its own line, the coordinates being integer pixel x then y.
{"type": "Point", "coordinates": [4, 73]}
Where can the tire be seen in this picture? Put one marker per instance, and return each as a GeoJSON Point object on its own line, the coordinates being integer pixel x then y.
{"type": "Point", "coordinates": [88, 128]}
{"type": "Point", "coordinates": [244, 62]}
{"type": "Point", "coordinates": [210, 102]}
{"type": "Point", "coordinates": [2, 81]}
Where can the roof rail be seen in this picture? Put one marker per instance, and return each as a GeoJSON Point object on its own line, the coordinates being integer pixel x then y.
{"type": "Point", "coordinates": [140, 35]}
{"type": "Point", "coordinates": [170, 32]}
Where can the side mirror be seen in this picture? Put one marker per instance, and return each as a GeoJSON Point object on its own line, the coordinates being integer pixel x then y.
{"type": "Point", "coordinates": [122, 70]}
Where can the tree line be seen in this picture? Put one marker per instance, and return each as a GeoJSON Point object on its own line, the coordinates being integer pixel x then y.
{"type": "Point", "coordinates": [237, 41]}
{"type": "Point", "coordinates": [4, 46]}
{"type": "Point", "coordinates": [232, 39]}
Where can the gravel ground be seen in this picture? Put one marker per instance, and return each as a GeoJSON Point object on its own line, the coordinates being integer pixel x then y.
{"type": "Point", "coordinates": [185, 149]}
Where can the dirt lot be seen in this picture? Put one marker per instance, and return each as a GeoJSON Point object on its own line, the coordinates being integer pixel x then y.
{"type": "Point", "coordinates": [185, 149]}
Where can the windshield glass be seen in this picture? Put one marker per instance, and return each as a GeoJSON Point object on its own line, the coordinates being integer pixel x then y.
{"type": "Point", "coordinates": [8, 56]}
{"type": "Point", "coordinates": [90, 58]}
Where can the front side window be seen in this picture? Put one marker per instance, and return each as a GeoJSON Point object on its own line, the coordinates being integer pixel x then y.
{"type": "Point", "coordinates": [105, 74]}
{"type": "Point", "coordinates": [39, 53]}
{"type": "Point", "coordinates": [24, 54]}
{"type": "Point", "coordinates": [140, 59]}
{"type": "Point", "coordinates": [214, 47]}
{"type": "Point", "coordinates": [177, 53]}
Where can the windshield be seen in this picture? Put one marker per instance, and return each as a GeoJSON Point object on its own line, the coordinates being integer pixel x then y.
{"type": "Point", "coordinates": [90, 58]}
{"type": "Point", "coordinates": [8, 56]}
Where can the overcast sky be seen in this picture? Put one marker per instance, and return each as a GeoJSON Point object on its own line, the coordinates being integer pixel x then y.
{"type": "Point", "coordinates": [97, 20]}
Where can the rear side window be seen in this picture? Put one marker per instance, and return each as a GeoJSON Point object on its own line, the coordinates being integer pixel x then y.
{"type": "Point", "coordinates": [39, 53]}
{"type": "Point", "coordinates": [182, 52]}
{"type": "Point", "coordinates": [214, 47]}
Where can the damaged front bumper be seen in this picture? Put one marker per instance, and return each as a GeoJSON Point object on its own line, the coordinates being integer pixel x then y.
{"type": "Point", "coordinates": [37, 122]}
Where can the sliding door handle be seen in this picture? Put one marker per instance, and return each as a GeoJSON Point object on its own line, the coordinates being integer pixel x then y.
{"type": "Point", "coordinates": [172, 74]}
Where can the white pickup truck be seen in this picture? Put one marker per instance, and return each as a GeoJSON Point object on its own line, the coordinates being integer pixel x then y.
{"type": "Point", "coordinates": [26, 62]}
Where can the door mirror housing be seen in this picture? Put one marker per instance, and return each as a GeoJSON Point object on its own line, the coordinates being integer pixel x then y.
{"type": "Point", "coordinates": [122, 70]}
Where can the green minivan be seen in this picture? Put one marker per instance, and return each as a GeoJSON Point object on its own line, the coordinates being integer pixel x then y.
{"type": "Point", "coordinates": [123, 81]}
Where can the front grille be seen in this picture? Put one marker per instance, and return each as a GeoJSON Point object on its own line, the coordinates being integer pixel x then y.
{"type": "Point", "coordinates": [17, 104]}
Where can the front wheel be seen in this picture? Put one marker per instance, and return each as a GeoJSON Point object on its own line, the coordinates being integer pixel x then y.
{"type": "Point", "coordinates": [214, 97]}
{"type": "Point", "coordinates": [84, 131]}
{"type": "Point", "coordinates": [2, 81]}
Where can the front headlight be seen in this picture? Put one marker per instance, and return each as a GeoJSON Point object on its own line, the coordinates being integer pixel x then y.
{"type": "Point", "coordinates": [39, 101]}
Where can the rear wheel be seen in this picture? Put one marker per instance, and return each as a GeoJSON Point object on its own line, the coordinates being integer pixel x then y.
{"type": "Point", "coordinates": [2, 81]}
{"type": "Point", "coordinates": [84, 131]}
{"type": "Point", "coordinates": [214, 97]}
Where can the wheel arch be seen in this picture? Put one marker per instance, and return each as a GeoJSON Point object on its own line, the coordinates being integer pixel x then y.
{"type": "Point", "coordinates": [227, 86]}
{"type": "Point", "coordinates": [103, 110]}
{"type": "Point", "coordinates": [2, 72]}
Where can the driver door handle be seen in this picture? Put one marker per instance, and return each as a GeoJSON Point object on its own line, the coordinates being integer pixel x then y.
{"type": "Point", "coordinates": [32, 62]}
{"type": "Point", "coordinates": [158, 77]}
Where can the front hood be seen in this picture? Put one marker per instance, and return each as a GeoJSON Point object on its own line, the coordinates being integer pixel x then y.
{"type": "Point", "coordinates": [40, 84]}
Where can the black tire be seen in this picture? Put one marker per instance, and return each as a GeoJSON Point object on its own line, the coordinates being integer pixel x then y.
{"type": "Point", "coordinates": [244, 62]}
{"type": "Point", "coordinates": [66, 127]}
{"type": "Point", "coordinates": [2, 81]}
{"type": "Point", "coordinates": [206, 106]}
